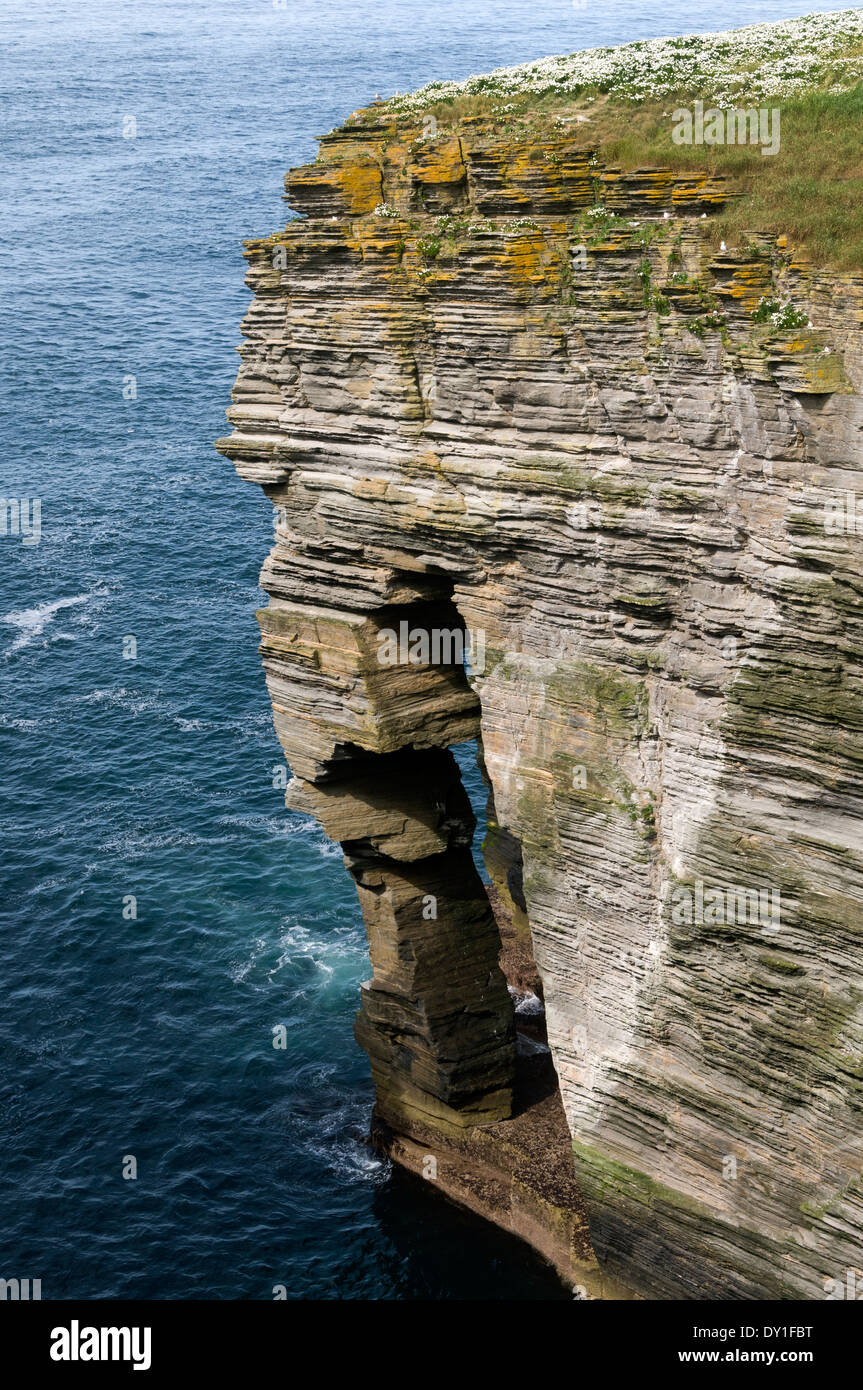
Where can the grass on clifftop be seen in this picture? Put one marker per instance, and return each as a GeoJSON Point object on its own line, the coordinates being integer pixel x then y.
{"type": "Point", "coordinates": [622, 100]}
{"type": "Point", "coordinates": [810, 191]}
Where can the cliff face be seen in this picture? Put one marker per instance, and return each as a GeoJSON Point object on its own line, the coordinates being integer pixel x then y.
{"type": "Point", "coordinates": [478, 403]}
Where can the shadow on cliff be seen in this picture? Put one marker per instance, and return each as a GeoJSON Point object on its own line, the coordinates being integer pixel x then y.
{"type": "Point", "coordinates": [435, 1244]}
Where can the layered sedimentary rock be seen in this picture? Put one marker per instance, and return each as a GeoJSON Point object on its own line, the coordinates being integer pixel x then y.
{"type": "Point", "coordinates": [480, 384]}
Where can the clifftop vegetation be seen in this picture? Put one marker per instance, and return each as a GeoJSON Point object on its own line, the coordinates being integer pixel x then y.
{"type": "Point", "coordinates": [622, 101]}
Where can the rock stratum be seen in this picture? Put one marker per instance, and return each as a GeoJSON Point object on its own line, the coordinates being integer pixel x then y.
{"type": "Point", "coordinates": [480, 385]}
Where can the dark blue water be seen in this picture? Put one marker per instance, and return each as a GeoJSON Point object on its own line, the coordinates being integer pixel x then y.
{"type": "Point", "coordinates": [152, 777]}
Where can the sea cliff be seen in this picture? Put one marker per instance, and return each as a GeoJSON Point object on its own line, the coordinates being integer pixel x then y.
{"type": "Point", "coordinates": [509, 394]}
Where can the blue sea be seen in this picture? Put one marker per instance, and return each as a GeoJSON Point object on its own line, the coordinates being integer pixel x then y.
{"type": "Point", "coordinates": [142, 1030]}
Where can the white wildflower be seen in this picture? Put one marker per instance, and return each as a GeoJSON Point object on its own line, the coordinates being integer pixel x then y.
{"type": "Point", "coordinates": [751, 64]}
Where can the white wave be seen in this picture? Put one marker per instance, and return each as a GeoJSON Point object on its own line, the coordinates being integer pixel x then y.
{"type": "Point", "coordinates": [131, 843]}
{"type": "Point", "coordinates": [335, 1135]}
{"type": "Point", "coordinates": [526, 1002]}
{"type": "Point", "coordinates": [24, 725]}
{"type": "Point", "coordinates": [133, 701]}
{"type": "Point", "coordinates": [330, 950]}
{"type": "Point", "coordinates": [31, 622]}
{"type": "Point", "coordinates": [248, 726]}
{"type": "Point", "coordinates": [49, 884]}
{"type": "Point", "coordinates": [355, 1159]}
{"type": "Point", "coordinates": [240, 969]}
{"type": "Point", "coordinates": [283, 826]}
{"type": "Point", "coordinates": [273, 825]}
{"type": "Point", "coordinates": [328, 849]}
